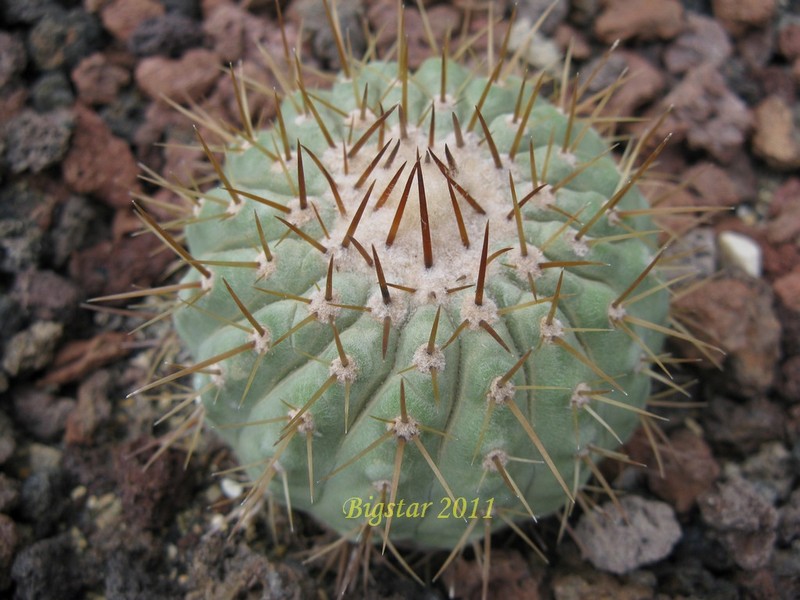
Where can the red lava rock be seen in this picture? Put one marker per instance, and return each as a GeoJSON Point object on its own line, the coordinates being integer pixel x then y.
{"type": "Point", "coordinates": [565, 35]}
{"type": "Point", "coordinates": [226, 27]}
{"type": "Point", "coordinates": [645, 82]}
{"type": "Point", "coordinates": [689, 470]}
{"type": "Point", "coordinates": [98, 162]}
{"type": "Point", "coordinates": [41, 413]}
{"type": "Point", "coordinates": [787, 288]}
{"type": "Point", "coordinates": [149, 497]}
{"type": "Point", "coordinates": [784, 213]}
{"type": "Point", "coordinates": [707, 114]}
{"type": "Point", "coordinates": [640, 19]}
{"type": "Point", "coordinates": [46, 295]}
{"type": "Point", "coordinates": [98, 80]}
{"type": "Point", "coordinates": [591, 585]}
{"type": "Point", "coordinates": [744, 521]}
{"type": "Point", "coordinates": [122, 17]}
{"type": "Point", "coordinates": [776, 138]}
{"type": "Point", "coordinates": [78, 358]}
{"type": "Point", "coordinates": [738, 317]}
{"type": "Point", "coordinates": [744, 427]}
{"type": "Point", "coordinates": [790, 382]}
{"type": "Point", "coordinates": [92, 409]}
{"type": "Point", "coordinates": [183, 79]}
{"type": "Point", "coordinates": [789, 39]}
{"type": "Point", "coordinates": [8, 546]}
{"type": "Point", "coordinates": [703, 42]}
{"type": "Point", "coordinates": [112, 267]}
{"type": "Point", "coordinates": [713, 185]}
{"type": "Point", "coordinates": [739, 15]}
{"type": "Point", "coordinates": [510, 577]}
{"type": "Point", "coordinates": [789, 524]}
{"type": "Point", "coordinates": [12, 57]}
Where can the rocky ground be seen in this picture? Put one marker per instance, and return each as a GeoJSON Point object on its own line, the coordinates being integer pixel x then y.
{"type": "Point", "coordinates": [81, 88]}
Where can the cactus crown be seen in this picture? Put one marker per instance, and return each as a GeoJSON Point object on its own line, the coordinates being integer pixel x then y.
{"type": "Point", "coordinates": [422, 288]}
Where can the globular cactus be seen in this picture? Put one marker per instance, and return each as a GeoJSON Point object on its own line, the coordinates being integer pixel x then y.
{"type": "Point", "coordinates": [430, 289]}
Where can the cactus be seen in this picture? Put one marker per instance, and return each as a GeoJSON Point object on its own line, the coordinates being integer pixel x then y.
{"type": "Point", "coordinates": [422, 295]}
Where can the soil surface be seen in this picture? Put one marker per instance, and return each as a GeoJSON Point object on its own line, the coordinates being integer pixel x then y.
{"type": "Point", "coordinates": [83, 116]}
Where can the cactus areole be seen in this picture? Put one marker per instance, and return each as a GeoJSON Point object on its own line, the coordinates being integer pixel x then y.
{"type": "Point", "coordinates": [422, 301]}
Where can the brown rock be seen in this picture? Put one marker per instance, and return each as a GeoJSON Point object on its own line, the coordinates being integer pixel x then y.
{"type": "Point", "coordinates": [592, 584]}
{"type": "Point", "coordinates": [92, 409]}
{"type": "Point", "coordinates": [739, 15]}
{"type": "Point", "coordinates": [789, 39]}
{"type": "Point", "coordinates": [8, 546]}
{"type": "Point", "coordinates": [783, 226]}
{"type": "Point", "coordinates": [122, 17]}
{"type": "Point", "coordinates": [510, 577]}
{"type": "Point", "coordinates": [98, 162]}
{"type": "Point", "coordinates": [46, 295]}
{"type": "Point", "coordinates": [776, 138]}
{"type": "Point", "coordinates": [787, 288]}
{"type": "Point", "coordinates": [42, 414]}
{"type": "Point", "coordinates": [703, 42]}
{"type": "Point", "coordinates": [644, 81]}
{"type": "Point", "coordinates": [565, 35]}
{"type": "Point", "coordinates": [744, 521]}
{"type": "Point", "coordinates": [744, 427]}
{"type": "Point", "coordinates": [226, 27]}
{"type": "Point", "coordinates": [707, 114]}
{"type": "Point", "coordinates": [738, 316]}
{"type": "Point", "coordinates": [182, 79]}
{"type": "Point", "coordinates": [78, 358]}
{"type": "Point", "coordinates": [790, 379]}
{"type": "Point", "coordinates": [689, 470]}
{"type": "Point", "coordinates": [640, 19]}
{"type": "Point", "coordinates": [113, 267]}
{"type": "Point", "coordinates": [97, 80]}
{"type": "Point", "coordinates": [33, 348]}
{"type": "Point", "coordinates": [713, 185]}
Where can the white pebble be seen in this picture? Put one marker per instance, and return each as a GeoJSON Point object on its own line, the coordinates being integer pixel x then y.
{"type": "Point", "coordinates": [737, 250]}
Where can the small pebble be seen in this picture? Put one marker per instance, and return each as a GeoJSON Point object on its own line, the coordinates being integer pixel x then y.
{"type": "Point", "coordinates": [740, 251]}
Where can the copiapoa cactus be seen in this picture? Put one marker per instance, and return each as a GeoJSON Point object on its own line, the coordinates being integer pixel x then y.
{"type": "Point", "coordinates": [422, 304]}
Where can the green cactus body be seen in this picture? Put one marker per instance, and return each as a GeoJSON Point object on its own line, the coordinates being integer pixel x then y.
{"type": "Point", "coordinates": [438, 332]}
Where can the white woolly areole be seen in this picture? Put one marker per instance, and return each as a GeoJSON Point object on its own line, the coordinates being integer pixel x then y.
{"type": "Point", "coordinates": [322, 309]}
{"type": "Point", "coordinates": [306, 425]}
{"type": "Point", "coordinates": [528, 265]}
{"type": "Point", "coordinates": [207, 282]}
{"type": "Point", "coordinates": [382, 485]}
{"type": "Point", "coordinates": [261, 340]}
{"type": "Point", "coordinates": [568, 157]}
{"type": "Point", "coordinates": [616, 313]}
{"type": "Point", "coordinates": [579, 396]}
{"type": "Point", "coordinates": [489, 460]}
{"type": "Point", "coordinates": [218, 379]}
{"type": "Point", "coordinates": [474, 314]}
{"type": "Point", "coordinates": [265, 267]}
{"type": "Point", "coordinates": [234, 207]}
{"type": "Point", "coordinates": [298, 216]}
{"type": "Point", "coordinates": [426, 362]}
{"type": "Point", "coordinates": [578, 246]}
{"type": "Point", "coordinates": [613, 217]}
{"type": "Point", "coordinates": [344, 374]}
{"type": "Point", "coordinates": [407, 430]}
{"type": "Point", "coordinates": [396, 309]}
{"type": "Point", "coordinates": [544, 197]}
{"type": "Point", "coordinates": [403, 261]}
{"type": "Point", "coordinates": [552, 330]}
{"type": "Point", "coordinates": [500, 393]}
